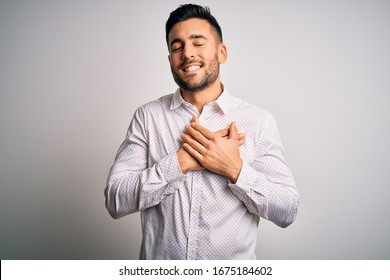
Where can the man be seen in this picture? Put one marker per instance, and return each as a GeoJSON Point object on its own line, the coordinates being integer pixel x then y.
{"type": "Point", "coordinates": [200, 185]}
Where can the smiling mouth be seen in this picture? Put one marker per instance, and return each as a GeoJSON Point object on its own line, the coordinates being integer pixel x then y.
{"type": "Point", "coordinates": [191, 68]}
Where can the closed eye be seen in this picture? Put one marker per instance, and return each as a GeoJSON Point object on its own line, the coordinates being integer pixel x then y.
{"type": "Point", "coordinates": [198, 42]}
{"type": "Point", "coordinates": [176, 45]}
{"type": "Point", "coordinates": [176, 49]}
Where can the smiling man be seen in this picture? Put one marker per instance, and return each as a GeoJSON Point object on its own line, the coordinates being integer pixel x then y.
{"type": "Point", "coordinates": [201, 185]}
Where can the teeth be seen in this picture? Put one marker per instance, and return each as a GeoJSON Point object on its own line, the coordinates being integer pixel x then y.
{"type": "Point", "coordinates": [191, 68]}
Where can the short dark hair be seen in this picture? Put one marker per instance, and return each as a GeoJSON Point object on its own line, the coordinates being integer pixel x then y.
{"type": "Point", "coordinates": [188, 11]}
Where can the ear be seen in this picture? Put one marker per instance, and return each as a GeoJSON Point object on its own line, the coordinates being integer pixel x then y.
{"type": "Point", "coordinates": [222, 53]}
{"type": "Point", "coordinates": [169, 58]}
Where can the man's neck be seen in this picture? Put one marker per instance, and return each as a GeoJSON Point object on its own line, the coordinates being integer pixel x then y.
{"type": "Point", "coordinates": [202, 97]}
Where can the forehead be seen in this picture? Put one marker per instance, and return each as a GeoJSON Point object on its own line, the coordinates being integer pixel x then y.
{"type": "Point", "coordinates": [183, 30]}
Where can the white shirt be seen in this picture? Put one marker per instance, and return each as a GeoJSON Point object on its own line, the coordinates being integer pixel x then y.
{"type": "Point", "coordinates": [200, 215]}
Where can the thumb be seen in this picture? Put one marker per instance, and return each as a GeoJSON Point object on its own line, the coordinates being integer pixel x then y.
{"type": "Point", "coordinates": [195, 119]}
{"type": "Point", "coordinates": [233, 131]}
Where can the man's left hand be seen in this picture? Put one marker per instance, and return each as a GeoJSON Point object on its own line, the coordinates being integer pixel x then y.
{"type": "Point", "coordinates": [217, 154]}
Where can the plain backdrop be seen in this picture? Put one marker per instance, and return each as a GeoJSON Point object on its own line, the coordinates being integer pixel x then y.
{"type": "Point", "coordinates": [72, 74]}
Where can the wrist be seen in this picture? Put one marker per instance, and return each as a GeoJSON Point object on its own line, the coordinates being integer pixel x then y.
{"type": "Point", "coordinates": [235, 172]}
{"type": "Point", "coordinates": [182, 162]}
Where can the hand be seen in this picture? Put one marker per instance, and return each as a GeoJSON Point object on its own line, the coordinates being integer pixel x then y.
{"type": "Point", "coordinates": [188, 163]}
{"type": "Point", "coordinates": [223, 132]}
{"type": "Point", "coordinates": [218, 154]}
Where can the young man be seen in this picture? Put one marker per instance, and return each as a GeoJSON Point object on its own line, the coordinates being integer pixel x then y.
{"type": "Point", "coordinates": [200, 185]}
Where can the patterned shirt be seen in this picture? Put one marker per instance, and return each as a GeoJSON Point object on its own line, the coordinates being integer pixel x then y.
{"type": "Point", "coordinates": [200, 215]}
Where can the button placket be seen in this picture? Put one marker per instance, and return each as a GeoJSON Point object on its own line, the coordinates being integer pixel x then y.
{"type": "Point", "coordinates": [194, 217]}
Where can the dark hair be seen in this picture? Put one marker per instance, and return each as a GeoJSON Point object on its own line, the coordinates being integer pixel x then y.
{"type": "Point", "coordinates": [188, 11]}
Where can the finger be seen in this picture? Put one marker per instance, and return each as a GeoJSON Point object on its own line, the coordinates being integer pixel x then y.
{"type": "Point", "coordinates": [233, 131]}
{"type": "Point", "coordinates": [222, 133]}
{"type": "Point", "coordinates": [193, 143]}
{"type": "Point", "coordinates": [194, 153]}
{"type": "Point", "coordinates": [198, 136]}
{"type": "Point", "coordinates": [204, 131]}
{"type": "Point", "coordinates": [241, 139]}
{"type": "Point", "coordinates": [195, 119]}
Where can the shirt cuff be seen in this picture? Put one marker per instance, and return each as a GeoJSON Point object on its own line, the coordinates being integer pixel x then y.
{"type": "Point", "coordinates": [248, 181]}
{"type": "Point", "coordinates": [170, 168]}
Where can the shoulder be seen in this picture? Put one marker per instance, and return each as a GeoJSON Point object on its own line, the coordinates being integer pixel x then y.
{"type": "Point", "coordinates": [250, 111]}
{"type": "Point", "coordinates": [157, 106]}
{"type": "Point", "coordinates": [160, 103]}
{"type": "Point", "coordinates": [150, 112]}
{"type": "Point", "coordinates": [255, 121]}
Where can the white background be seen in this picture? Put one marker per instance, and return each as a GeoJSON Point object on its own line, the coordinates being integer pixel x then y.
{"type": "Point", "coordinates": [73, 72]}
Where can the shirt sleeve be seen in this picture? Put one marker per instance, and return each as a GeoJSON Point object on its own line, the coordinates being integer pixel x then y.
{"type": "Point", "coordinates": [132, 184]}
{"type": "Point", "coordinates": [265, 185]}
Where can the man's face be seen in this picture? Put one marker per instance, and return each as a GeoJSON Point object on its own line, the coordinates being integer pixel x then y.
{"type": "Point", "coordinates": [195, 54]}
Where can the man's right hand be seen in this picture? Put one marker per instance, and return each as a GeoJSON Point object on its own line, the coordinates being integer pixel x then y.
{"type": "Point", "coordinates": [188, 163]}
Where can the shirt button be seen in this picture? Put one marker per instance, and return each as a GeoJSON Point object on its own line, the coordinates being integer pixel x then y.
{"type": "Point", "coordinates": [194, 210]}
{"type": "Point", "coordinates": [192, 243]}
{"type": "Point", "coordinates": [197, 178]}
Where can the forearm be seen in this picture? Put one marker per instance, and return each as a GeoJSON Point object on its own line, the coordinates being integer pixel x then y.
{"type": "Point", "coordinates": [275, 199]}
{"type": "Point", "coordinates": [129, 191]}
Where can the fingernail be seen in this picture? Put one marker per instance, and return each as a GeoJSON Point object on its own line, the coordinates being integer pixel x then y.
{"type": "Point", "coordinates": [192, 124]}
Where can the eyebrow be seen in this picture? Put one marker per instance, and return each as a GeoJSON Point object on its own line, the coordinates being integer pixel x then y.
{"type": "Point", "coordinates": [193, 36]}
{"type": "Point", "coordinates": [196, 36]}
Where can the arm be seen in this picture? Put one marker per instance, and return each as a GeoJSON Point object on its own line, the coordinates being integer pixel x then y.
{"type": "Point", "coordinates": [265, 185]}
{"type": "Point", "coordinates": [132, 184]}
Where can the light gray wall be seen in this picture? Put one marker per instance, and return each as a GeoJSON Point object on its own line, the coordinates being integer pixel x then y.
{"type": "Point", "coordinates": [73, 72]}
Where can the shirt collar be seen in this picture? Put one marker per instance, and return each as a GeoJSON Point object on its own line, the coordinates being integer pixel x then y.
{"type": "Point", "coordinates": [177, 100]}
{"type": "Point", "coordinates": [223, 101]}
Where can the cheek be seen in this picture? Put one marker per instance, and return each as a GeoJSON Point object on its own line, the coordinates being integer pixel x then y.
{"type": "Point", "coordinates": [173, 61]}
{"type": "Point", "coordinates": [208, 54]}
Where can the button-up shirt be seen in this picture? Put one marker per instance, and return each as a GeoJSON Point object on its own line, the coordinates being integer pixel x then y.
{"type": "Point", "coordinates": [200, 214]}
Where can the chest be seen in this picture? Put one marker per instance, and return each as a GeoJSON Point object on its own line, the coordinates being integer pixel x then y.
{"type": "Point", "coordinates": [164, 132]}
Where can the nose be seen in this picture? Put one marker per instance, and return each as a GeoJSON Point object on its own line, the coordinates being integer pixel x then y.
{"type": "Point", "coordinates": [187, 52]}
